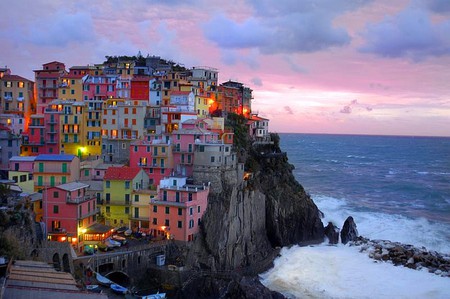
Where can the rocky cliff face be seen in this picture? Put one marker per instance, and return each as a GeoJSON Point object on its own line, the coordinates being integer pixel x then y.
{"type": "Point", "coordinates": [246, 220]}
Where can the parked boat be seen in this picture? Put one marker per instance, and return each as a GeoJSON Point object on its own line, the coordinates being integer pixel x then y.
{"type": "Point", "coordinates": [118, 289]}
{"type": "Point", "coordinates": [95, 288]}
{"type": "Point", "coordinates": [128, 232]}
{"type": "Point", "coordinates": [111, 243]}
{"type": "Point", "coordinates": [155, 296]}
{"type": "Point", "coordinates": [103, 280]}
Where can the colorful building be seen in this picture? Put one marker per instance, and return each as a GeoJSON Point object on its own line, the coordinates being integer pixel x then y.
{"type": "Point", "coordinates": [177, 211]}
{"type": "Point", "coordinates": [69, 209]}
{"type": "Point", "coordinates": [9, 146]}
{"type": "Point", "coordinates": [17, 96]}
{"type": "Point", "coordinates": [123, 123]}
{"type": "Point", "coordinates": [51, 170]}
{"type": "Point", "coordinates": [47, 83]}
{"type": "Point", "coordinates": [119, 184]}
{"type": "Point", "coordinates": [154, 155]}
{"type": "Point", "coordinates": [21, 171]}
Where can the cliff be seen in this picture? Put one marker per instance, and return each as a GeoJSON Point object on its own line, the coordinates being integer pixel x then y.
{"type": "Point", "coordinates": [247, 220]}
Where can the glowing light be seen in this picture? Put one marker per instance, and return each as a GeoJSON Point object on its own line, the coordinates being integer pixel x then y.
{"type": "Point", "coordinates": [83, 231]}
{"type": "Point", "coordinates": [63, 239]}
{"type": "Point", "coordinates": [163, 227]}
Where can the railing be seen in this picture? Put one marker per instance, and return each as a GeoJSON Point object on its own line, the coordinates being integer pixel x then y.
{"type": "Point", "coordinates": [78, 199]}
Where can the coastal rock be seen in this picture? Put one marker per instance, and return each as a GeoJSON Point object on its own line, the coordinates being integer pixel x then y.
{"type": "Point", "coordinates": [332, 233]}
{"type": "Point", "coordinates": [349, 231]}
{"type": "Point", "coordinates": [405, 255]}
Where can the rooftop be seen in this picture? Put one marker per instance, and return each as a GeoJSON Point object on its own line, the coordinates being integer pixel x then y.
{"type": "Point", "coordinates": [54, 157]}
{"type": "Point", "coordinates": [121, 173]}
{"type": "Point", "coordinates": [39, 280]}
{"type": "Point", "coordinates": [22, 159]}
{"type": "Point", "coordinates": [72, 186]}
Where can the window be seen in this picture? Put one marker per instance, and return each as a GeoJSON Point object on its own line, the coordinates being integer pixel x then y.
{"type": "Point", "coordinates": [108, 210]}
{"type": "Point", "coordinates": [180, 224]}
{"type": "Point", "coordinates": [190, 197]}
{"type": "Point", "coordinates": [155, 209]}
{"type": "Point", "coordinates": [127, 198]}
{"type": "Point", "coordinates": [155, 221]}
{"type": "Point", "coordinates": [198, 209]}
{"type": "Point", "coordinates": [177, 196]}
{"type": "Point", "coordinates": [55, 209]}
{"type": "Point", "coordinates": [86, 172]}
{"type": "Point", "coordinates": [127, 210]}
{"type": "Point", "coordinates": [107, 197]}
{"type": "Point", "coordinates": [165, 195]}
{"type": "Point", "coordinates": [167, 210]}
{"type": "Point", "coordinates": [166, 222]}
{"type": "Point", "coordinates": [136, 198]}
{"type": "Point", "coordinates": [212, 159]}
{"type": "Point", "coordinates": [108, 184]}
{"type": "Point", "coordinates": [56, 194]}
{"type": "Point", "coordinates": [180, 211]}
{"type": "Point", "coordinates": [191, 223]}
{"type": "Point", "coordinates": [191, 211]}
{"type": "Point", "coordinates": [127, 184]}
{"type": "Point", "coordinates": [23, 178]}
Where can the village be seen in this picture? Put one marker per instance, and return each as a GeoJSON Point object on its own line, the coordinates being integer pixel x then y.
{"type": "Point", "coordinates": [128, 144]}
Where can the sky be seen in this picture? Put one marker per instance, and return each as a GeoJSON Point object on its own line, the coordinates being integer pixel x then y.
{"type": "Point", "coordinates": [316, 66]}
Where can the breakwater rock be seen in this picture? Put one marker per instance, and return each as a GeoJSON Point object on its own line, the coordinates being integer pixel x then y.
{"type": "Point", "coordinates": [405, 255]}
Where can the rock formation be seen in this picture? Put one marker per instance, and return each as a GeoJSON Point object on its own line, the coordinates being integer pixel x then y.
{"type": "Point", "coordinates": [247, 220]}
{"type": "Point", "coordinates": [332, 233]}
{"type": "Point", "coordinates": [349, 231]}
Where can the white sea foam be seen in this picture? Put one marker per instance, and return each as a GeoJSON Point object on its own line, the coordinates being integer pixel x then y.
{"type": "Point", "coordinates": [397, 228]}
{"type": "Point", "coordinates": [343, 272]}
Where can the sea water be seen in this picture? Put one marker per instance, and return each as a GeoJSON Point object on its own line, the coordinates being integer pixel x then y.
{"type": "Point", "coordinates": [395, 188]}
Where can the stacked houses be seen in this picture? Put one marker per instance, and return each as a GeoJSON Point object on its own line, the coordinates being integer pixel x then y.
{"type": "Point", "coordinates": [118, 144]}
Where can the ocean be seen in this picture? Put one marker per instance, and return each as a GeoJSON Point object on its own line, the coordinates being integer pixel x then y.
{"type": "Point", "coordinates": [396, 188]}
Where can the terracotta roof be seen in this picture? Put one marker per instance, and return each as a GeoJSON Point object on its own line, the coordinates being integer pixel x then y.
{"type": "Point", "coordinates": [14, 78]}
{"type": "Point", "coordinates": [121, 173]}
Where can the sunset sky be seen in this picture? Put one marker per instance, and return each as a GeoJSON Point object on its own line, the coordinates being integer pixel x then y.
{"type": "Point", "coordinates": [316, 66]}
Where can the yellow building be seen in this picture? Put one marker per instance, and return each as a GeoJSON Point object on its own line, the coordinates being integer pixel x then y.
{"type": "Point", "coordinates": [72, 128]}
{"type": "Point", "coordinates": [119, 184]}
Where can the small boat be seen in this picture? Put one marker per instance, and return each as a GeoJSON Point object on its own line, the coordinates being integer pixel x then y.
{"type": "Point", "coordinates": [118, 289]}
{"type": "Point", "coordinates": [111, 243]}
{"type": "Point", "coordinates": [155, 296]}
{"type": "Point", "coordinates": [128, 232]}
{"type": "Point", "coordinates": [103, 280]}
{"type": "Point", "coordinates": [95, 288]}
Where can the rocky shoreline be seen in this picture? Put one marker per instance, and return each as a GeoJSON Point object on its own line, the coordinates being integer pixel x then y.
{"type": "Point", "coordinates": [388, 251]}
{"type": "Point", "coordinates": [405, 255]}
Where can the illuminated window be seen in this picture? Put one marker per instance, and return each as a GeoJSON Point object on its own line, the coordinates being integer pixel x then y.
{"type": "Point", "coordinates": [20, 84]}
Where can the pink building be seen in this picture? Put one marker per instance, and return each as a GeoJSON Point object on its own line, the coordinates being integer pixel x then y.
{"type": "Point", "coordinates": [154, 155]}
{"type": "Point", "coordinates": [68, 211]}
{"type": "Point", "coordinates": [99, 88]}
{"type": "Point", "coordinates": [177, 211]}
{"type": "Point", "coordinates": [192, 131]}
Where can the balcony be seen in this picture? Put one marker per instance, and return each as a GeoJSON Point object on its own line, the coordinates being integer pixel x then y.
{"type": "Point", "coordinates": [89, 214]}
{"type": "Point", "coordinates": [78, 199]}
{"type": "Point", "coordinates": [51, 141]}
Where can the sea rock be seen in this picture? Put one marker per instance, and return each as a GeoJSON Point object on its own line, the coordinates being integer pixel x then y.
{"type": "Point", "coordinates": [349, 231]}
{"type": "Point", "coordinates": [332, 233]}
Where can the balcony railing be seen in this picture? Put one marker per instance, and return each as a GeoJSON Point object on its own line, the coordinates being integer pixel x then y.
{"type": "Point", "coordinates": [78, 199]}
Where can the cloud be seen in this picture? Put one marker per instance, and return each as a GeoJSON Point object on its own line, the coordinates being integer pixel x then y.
{"type": "Point", "coordinates": [257, 81]}
{"type": "Point", "coordinates": [347, 109]}
{"type": "Point", "coordinates": [438, 6]}
{"type": "Point", "coordinates": [288, 110]}
{"type": "Point", "coordinates": [63, 29]}
{"type": "Point", "coordinates": [411, 34]}
{"type": "Point", "coordinates": [283, 26]}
